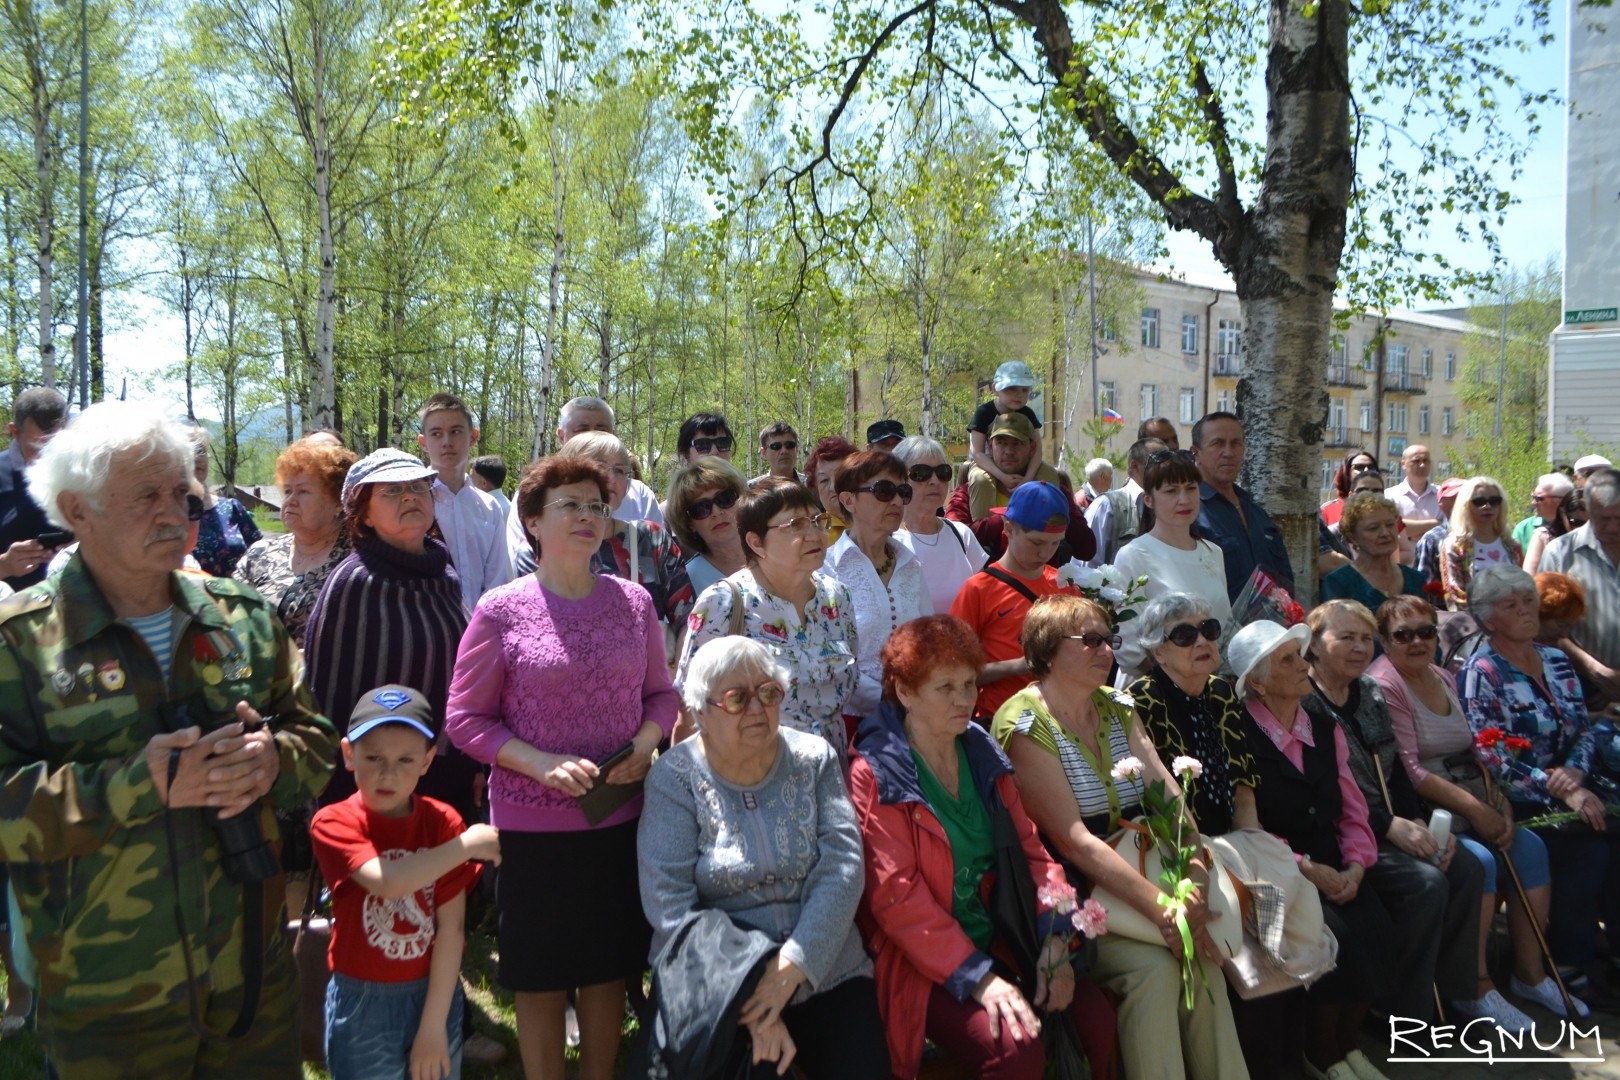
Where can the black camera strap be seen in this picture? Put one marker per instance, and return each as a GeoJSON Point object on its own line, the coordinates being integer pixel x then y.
{"type": "Point", "coordinates": [252, 937]}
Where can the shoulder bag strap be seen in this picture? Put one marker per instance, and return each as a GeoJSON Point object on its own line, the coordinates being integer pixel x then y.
{"type": "Point", "coordinates": [736, 608]}
{"type": "Point", "coordinates": [1008, 580]}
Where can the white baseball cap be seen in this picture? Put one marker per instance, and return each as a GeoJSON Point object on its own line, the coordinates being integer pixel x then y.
{"type": "Point", "coordinates": [1592, 461]}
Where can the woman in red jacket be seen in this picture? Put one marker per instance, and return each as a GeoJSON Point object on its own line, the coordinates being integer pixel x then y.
{"type": "Point", "coordinates": [953, 935]}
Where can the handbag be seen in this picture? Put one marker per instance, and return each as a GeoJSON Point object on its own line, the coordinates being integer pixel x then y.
{"type": "Point", "coordinates": [1286, 945]}
{"type": "Point", "coordinates": [1135, 844]}
{"type": "Point", "coordinates": [311, 938]}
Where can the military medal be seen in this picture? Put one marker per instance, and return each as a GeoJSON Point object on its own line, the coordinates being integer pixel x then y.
{"type": "Point", "coordinates": [111, 676]}
{"type": "Point", "coordinates": [62, 682]}
{"type": "Point", "coordinates": [211, 674]}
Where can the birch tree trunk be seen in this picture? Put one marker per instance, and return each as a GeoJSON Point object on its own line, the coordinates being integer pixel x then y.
{"type": "Point", "coordinates": [326, 291]}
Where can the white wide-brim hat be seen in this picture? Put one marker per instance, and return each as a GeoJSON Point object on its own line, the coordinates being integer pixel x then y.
{"type": "Point", "coordinates": [1260, 639]}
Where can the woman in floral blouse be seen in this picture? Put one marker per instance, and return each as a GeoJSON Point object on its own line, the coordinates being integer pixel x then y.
{"type": "Point", "coordinates": [289, 568]}
{"type": "Point", "coordinates": [1478, 539]}
{"type": "Point", "coordinates": [226, 530]}
{"type": "Point", "coordinates": [1524, 702]}
{"type": "Point", "coordinates": [789, 604]}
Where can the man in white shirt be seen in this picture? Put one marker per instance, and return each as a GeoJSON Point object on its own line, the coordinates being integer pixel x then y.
{"type": "Point", "coordinates": [488, 474]}
{"type": "Point", "coordinates": [1417, 500]}
{"type": "Point", "coordinates": [470, 521]}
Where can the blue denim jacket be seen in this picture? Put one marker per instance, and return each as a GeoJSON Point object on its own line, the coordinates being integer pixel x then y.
{"type": "Point", "coordinates": [1244, 548]}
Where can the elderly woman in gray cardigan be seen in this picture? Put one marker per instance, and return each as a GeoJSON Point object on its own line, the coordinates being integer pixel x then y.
{"type": "Point", "coordinates": [752, 819]}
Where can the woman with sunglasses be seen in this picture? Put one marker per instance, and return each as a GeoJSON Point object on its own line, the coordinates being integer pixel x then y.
{"type": "Point", "coordinates": [948, 550]}
{"type": "Point", "coordinates": [1437, 753]}
{"type": "Point", "coordinates": [751, 819]}
{"type": "Point", "coordinates": [884, 576]}
{"type": "Point", "coordinates": [1064, 733]}
{"type": "Point", "coordinates": [1356, 464]}
{"type": "Point", "coordinates": [561, 670]}
{"type": "Point", "coordinates": [788, 603]}
{"type": "Point", "coordinates": [1477, 539]}
{"type": "Point", "coordinates": [702, 513]}
{"type": "Point", "coordinates": [1167, 552]}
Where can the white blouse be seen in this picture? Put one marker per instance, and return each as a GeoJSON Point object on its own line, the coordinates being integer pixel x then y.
{"type": "Point", "coordinates": [949, 557]}
{"type": "Point", "coordinates": [1201, 572]}
{"type": "Point", "coordinates": [879, 608]}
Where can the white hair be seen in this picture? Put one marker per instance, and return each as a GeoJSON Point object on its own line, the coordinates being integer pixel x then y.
{"type": "Point", "coordinates": [1097, 466]}
{"type": "Point", "coordinates": [77, 457]}
{"type": "Point", "coordinates": [719, 658]}
{"type": "Point", "coordinates": [914, 448]}
{"type": "Point", "coordinates": [1492, 585]}
{"type": "Point", "coordinates": [1555, 484]}
{"type": "Point", "coordinates": [582, 404]}
{"type": "Point", "coordinates": [1164, 613]}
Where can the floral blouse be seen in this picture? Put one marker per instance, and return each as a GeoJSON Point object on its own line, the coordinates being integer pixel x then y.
{"type": "Point", "coordinates": [267, 566]}
{"type": "Point", "coordinates": [818, 645]}
{"type": "Point", "coordinates": [1457, 566]}
{"type": "Point", "coordinates": [1551, 714]}
{"type": "Point", "coordinates": [224, 534]}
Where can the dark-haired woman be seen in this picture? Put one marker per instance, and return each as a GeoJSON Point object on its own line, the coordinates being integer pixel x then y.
{"type": "Point", "coordinates": [789, 603]}
{"type": "Point", "coordinates": [820, 469]}
{"type": "Point", "coordinates": [557, 671]}
{"type": "Point", "coordinates": [1167, 552]}
{"type": "Point", "coordinates": [884, 577]}
{"type": "Point", "coordinates": [1356, 464]}
{"type": "Point", "coordinates": [702, 513]}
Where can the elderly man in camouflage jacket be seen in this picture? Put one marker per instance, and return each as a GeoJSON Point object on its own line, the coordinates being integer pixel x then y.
{"type": "Point", "coordinates": [133, 695]}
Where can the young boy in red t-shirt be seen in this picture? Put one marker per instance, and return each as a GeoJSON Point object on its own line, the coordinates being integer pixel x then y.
{"type": "Point", "coordinates": [399, 867]}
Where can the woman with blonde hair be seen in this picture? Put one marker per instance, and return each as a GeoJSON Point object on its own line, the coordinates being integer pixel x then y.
{"type": "Point", "coordinates": [1477, 539]}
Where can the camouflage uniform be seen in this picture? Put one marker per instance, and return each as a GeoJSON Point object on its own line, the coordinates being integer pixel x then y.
{"type": "Point", "coordinates": [84, 832]}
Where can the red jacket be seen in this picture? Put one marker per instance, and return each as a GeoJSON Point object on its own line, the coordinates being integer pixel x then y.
{"type": "Point", "coordinates": [905, 914]}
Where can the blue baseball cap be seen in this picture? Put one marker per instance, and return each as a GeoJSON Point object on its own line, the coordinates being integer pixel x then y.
{"type": "Point", "coordinates": [392, 704]}
{"type": "Point", "coordinates": [1039, 506]}
{"type": "Point", "coordinates": [1013, 373]}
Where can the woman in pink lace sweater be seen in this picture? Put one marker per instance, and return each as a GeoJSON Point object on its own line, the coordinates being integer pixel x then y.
{"type": "Point", "coordinates": [549, 681]}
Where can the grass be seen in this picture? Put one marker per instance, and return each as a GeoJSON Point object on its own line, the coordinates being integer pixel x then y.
{"type": "Point", "coordinates": [268, 521]}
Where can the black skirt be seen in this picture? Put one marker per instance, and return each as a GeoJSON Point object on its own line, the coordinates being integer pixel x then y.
{"type": "Point", "coordinates": [570, 909]}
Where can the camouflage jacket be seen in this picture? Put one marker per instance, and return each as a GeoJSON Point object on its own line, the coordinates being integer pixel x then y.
{"type": "Point", "coordinates": [81, 825]}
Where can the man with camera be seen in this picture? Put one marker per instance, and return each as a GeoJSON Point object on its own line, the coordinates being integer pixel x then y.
{"type": "Point", "coordinates": [152, 719]}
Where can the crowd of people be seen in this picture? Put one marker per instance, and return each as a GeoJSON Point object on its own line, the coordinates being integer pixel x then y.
{"type": "Point", "coordinates": [837, 753]}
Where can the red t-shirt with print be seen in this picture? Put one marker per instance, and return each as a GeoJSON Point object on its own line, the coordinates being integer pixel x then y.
{"type": "Point", "coordinates": [373, 938]}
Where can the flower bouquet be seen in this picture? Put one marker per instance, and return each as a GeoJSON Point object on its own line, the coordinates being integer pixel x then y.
{"type": "Point", "coordinates": [1261, 598]}
{"type": "Point", "coordinates": [1065, 1058]}
{"type": "Point", "coordinates": [1176, 848]}
{"type": "Point", "coordinates": [1108, 586]}
{"type": "Point", "coordinates": [1500, 750]}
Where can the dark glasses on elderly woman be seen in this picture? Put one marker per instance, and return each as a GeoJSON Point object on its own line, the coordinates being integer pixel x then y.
{"type": "Point", "coordinates": [1185, 634]}
{"type": "Point", "coordinates": [1408, 634]}
{"type": "Point", "coordinates": [720, 500]}
{"type": "Point", "coordinates": [885, 491]}
{"type": "Point", "coordinates": [921, 474]}
{"type": "Point", "coordinates": [735, 701]}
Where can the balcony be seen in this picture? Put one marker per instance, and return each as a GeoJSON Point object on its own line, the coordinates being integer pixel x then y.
{"type": "Point", "coordinates": [1345, 375]}
{"type": "Point", "coordinates": [1337, 438]}
{"type": "Point", "coordinates": [1228, 367]}
{"type": "Point", "coordinates": [1404, 382]}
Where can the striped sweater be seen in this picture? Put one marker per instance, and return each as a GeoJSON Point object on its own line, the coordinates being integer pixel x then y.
{"type": "Point", "coordinates": [386, 615]}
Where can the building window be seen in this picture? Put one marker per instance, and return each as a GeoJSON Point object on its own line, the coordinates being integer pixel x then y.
{"type": "Point", "coordinates": [1341, 353]}
{"type": "Point", "coordinates": [1189, 404]}
{"type": "Point", "coordinates": [1366, 416]}
{"type": "Point", "coordinates": [1423, 419]}
{"type": "Point", "coordinates": [1150, 328]}
{"type": "Point", "coordinates": [1108, 395]}
{"type": "Point", "coordinates": [1189, 334]}
{"type": "Point", "coordinates": [1369, 356]}
{"type": "Point", "coordinates": [1338, 417]}
{"type": "Point", "coordinates": [1397, 417]}
{"type": "Point", "coordinates": [1451, 366]}
{"type": "Point", "coordinates": [1229, 340]}
{"type": "Point", "coordinates": [1428, 364]}
{"type": "Point", "coordinates": [1445, 422]}
{"type": "Point", "coordinates": [1327, 474]}
{"type": "Point", "coordinates": [1398, 359]}
{"type": "Point", "coordinates": [1150, 401]}
{"type": "Point", "coordinates": [1223, 401]}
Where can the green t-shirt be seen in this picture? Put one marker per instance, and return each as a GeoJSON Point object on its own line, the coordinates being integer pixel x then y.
{"type": "Point", "coordinates": [967, 827]}
{"type": "Point", "coordinates": [1525, 529]}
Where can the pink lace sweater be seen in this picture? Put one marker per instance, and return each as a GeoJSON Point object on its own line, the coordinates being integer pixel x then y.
{"type": "Point", "coordinates": [566, 677]}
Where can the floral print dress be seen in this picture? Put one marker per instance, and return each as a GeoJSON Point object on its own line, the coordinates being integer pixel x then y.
{"type": "Point", "coordinates": [224, 534]}
{"type": "Point", "coordinates": [818, 646]}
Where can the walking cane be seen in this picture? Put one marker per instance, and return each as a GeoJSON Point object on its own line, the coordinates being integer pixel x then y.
{"type": "Point", "coordinates": [1383, 785]}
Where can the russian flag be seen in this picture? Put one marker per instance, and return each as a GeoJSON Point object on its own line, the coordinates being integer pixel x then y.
{"type": "Point", "coordinates": [1112, 417]}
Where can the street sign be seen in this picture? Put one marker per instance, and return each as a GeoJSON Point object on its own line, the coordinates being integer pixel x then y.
{"type": "Point", "coordinates": [1591, 315]}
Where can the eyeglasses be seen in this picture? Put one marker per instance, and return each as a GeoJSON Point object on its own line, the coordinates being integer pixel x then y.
{"type": "Point", "coordinates": [735, 701]}
{"type": "Point", "coordinates": [885, 491]}
{"type": "Point", "coordinates": [776, 446]}
{"type": "Point", "coordinates": [815, 523]}
{"type": "Point", "coordinates": [921, 474]}
{"type": "Point", "coordinates": [721, 500]}
{"type": "Point", "coordinates": [1363, 466]}
{"type": "Point", "coordinates": [1408, 634]}
{"type": "Point", "coordinates": [196, 510]}
{"type": "Point", "coordinates": [575, 508]}
{"type": "Point", "coordinates": [720, 444]}
{"type": "Point", "coordinates": [1095, 641]}
{"type": "Point", "coordinates": [1482, 501]}
{"type": "Point", "coordinates": [620, 472]}
{"type": "Point", "coordinates": [421, 488]}
{"type": "Point", "coordinates": [1185, 634]}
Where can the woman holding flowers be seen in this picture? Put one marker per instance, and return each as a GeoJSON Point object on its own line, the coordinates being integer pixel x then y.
{"type": "Point", "coordinates": [1524, 703]}
{"type": "Point", "coordinates": [1065, 734]}
{"type": "Point", "coordinates": [1167, 552]}
{"type": "Point", "coordinates": [1306, 794]}
{"type": "Point", "coordinates": [969, 936]}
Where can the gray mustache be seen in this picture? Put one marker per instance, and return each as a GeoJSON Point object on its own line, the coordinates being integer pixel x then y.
{"type": "Point", "coordinates": [165, 532]}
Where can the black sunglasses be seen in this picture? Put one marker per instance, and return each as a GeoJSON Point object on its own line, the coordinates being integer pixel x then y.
{"type": "Point", "coordinates": [1185, 634]}
{"type": "Point", "coordinates": [720, 500]}
{"type": "Point", "coordinates": [1407, 635]}
{"type": "Point", "coordinates": [775, 446]}
{"type": "Point", "coordinates": [920, 474]}
{"type": "Point", "coordinates": [885, 491]}
{"type": "Point", "coordinates": [1160, 456]}
{"type": "Point", "coordinates": [1096, 641]}
{"type": "Point", "coordinates": [195, 509]}
{"type": "Point", "coordinates": [1482, 501]}
{"type": "Point", "coordinates": [720, 443]}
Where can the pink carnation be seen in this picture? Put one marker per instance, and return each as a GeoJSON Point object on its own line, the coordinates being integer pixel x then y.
{"type": "Point", "coordinates": [1059, 898]}
{"type": "Point", "coordinates": [1091, 919]}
